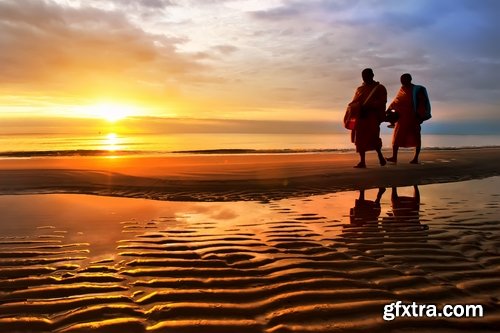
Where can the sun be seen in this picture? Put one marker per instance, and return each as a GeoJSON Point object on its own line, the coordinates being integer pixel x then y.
{"type": "Point", "coordinates": [114, 112]}
{"type": "Point", "coordinates": [111, 112]}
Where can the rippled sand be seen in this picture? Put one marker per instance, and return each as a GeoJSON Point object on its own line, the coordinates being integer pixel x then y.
{"type": "Point", "coordinates": [325, 263]}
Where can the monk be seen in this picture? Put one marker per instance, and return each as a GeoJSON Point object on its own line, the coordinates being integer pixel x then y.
{"type": "Point", "coordinates": [371, 97]}
{"type": "Point", "coordinates": [410, 117]}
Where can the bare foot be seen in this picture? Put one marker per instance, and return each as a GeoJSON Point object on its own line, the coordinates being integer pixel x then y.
{"type": "Point", "coordinates": [392, 159]}
{"type": "Point", "coordinates": [360, 165]}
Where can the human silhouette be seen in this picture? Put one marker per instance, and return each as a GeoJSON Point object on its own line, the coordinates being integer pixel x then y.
{"type": "Point", "coordinates": [370, 98]}
{"type": "Point", "coordinates": [405, 208]}
{"type": "Point", "coordinates": [366, 210]}
{"type": "Point", "coordinates": [368, 230]}
{"type": "Point", "coordinates": [412, 107]}
{"type": "Point", "coordinates": [404, 222]}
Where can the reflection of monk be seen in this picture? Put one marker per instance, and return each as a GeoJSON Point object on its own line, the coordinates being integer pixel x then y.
{"type": "Point", "coordinates": [406, 209]}
{"type": "Point", "coordinates": [404, 222]}
{"type": "Point", "coordinates": [366, 210]}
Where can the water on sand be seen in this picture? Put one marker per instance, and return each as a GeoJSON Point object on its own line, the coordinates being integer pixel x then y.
{"type": "Point", "coordinates": [77, 263]}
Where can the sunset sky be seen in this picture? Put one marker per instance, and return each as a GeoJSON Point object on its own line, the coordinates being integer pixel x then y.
{"type": "Point", "coordinates": [248, 65]}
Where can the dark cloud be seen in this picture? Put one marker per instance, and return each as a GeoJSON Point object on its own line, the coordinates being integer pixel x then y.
{"type": "Point", "coordinates": [225, 49]}
{"type": "Point", "coordinates": [200, 2]}
{"type": "Point", "coordinates": [186, 125]}
{"type": "Point", "coordinates": [280, 13]}
{"type": "Point", "coordinates": [291, 10]}
{"type": "Point", "coordinates": [154, 3]}
{"type": "Point", "coordinates": [137, 4]}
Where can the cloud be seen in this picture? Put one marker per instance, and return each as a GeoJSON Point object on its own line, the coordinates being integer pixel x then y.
{"type": "Point", "coordinates": [295, 9]}
{"type": "Point", "coordinates": [440, 124]}
{"type": "Point", "coordinates": [446, 44]}
{"type": "Point", "coordinates": [225, 49]}
{"type": "Point", "coordinates": [156, 4]}
{"type": "Point", "coordinates": [254, 60]}
{"type": "Point", "coordinates": [125, 4]}
{"type": "Point", "coordinates": [48, 47]}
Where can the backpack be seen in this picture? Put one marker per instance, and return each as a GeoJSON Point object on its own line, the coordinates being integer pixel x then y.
{"type": "Point", "coordinates": [425, 112]}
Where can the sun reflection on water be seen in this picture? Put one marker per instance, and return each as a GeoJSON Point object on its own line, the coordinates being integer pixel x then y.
{"type": "Point", "coordinates": [112, 142]}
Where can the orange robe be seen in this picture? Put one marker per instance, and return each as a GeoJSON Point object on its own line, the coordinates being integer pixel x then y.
{"type": "Point", "coordinates": [407, 130]}
{"type": "Point", "coordinates": [366, 135]}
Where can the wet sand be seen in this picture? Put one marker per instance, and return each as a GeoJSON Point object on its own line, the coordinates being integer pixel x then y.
{"type": "Point", "coordinates": [324, 263]}
{"type": "Point", "coordinates": [294, 253]}
{"type": "Point", "coordinates": [238, 177]}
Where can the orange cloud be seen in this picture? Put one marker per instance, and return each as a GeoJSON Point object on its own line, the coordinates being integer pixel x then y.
{"type": "Point", "coordinates": [87, 53]}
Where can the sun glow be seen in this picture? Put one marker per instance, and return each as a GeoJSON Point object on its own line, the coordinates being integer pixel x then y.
{"type": "Point", "coordinates": [111, 142]}
{"type": "Point", "coordinates": [111, 112]}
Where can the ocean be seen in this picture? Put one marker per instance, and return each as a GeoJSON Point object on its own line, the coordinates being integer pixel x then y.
{"type": "Point", "coordinates": [13, 145]}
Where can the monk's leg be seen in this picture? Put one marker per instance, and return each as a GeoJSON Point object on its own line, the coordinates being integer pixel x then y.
{"type": "Point", "coordinates": [416, 193]}
{"type": "Point", "coordinates": [381, 158]}
{"type": "Point", "coordinates": [417, 153]}
{"type": "Point", "coordinates": [394, 193]}
{"type": "Point", "coordinates": [381, 190]}
{"type": "Point", "coordinates": [415, 158]}
{"type": "Point", "coordinates": [362, 163]}
{"type": "Point", "coordinates": [394, 157]}
{"type": "Point", "coordinates": [361, 195]}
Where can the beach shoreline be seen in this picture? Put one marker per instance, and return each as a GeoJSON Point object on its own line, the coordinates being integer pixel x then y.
{"type": "Point", "coordinates": [238, 177]}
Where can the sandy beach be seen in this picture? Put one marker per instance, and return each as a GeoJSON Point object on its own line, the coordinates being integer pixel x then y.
{"type": "Point", "coordinates": [250, 243]}
{"type": "Point", "coordinates": [237, 177]}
